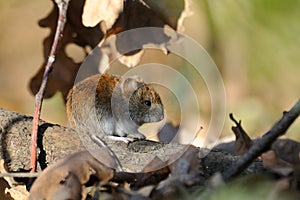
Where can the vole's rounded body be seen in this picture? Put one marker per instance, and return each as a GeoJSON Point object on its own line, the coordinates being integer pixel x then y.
{"type": "Point", "coordinates": [107, 105]}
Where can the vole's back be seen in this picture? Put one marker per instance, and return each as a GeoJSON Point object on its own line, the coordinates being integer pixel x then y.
{"type": "Point", "coordinates": [89, 102]}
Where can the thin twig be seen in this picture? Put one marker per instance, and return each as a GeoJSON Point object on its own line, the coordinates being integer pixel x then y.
{"type": "Point", "coordinates": [264, 143]}
{"type": "Point", "coordinates": [100, 143]}
{"type": "Point", "coordinates": [20, 175]}
{"type": "Point", "coordinates": [62, 6]}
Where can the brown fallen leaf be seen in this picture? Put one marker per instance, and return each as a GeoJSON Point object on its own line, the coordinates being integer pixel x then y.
{"type": "Point", "coordinates": [64, 179]}
{"type": "Point", "coordinates": [185, 171]}
{"type": "Point", "coordinates": [187, 168]}
{"type": "Point", "coordinates": [287, 150]}
{"type": "Point", "coordinates": [274, 163]}
{"type": "Point", "coordinates": [242, 141]}
{"type": "Point", "coordinates": [283, 158]}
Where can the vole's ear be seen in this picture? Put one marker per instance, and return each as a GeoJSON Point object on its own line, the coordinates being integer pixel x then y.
{"type": "Point", "coordinates": [129, 85]}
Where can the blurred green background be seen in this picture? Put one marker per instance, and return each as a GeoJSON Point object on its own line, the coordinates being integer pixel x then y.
{"type": "Point", "coordinates": [255, 45]}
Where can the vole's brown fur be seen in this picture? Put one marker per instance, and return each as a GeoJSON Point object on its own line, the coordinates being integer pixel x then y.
{"type": "Point", "coordinates": [113, 105]}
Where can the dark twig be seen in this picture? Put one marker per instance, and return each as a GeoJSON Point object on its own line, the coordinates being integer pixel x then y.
{"type": "Point", "coordinates": [264, 143]}
{"type": "Point", "coordinates": [140, 179]}
{"type": "Point", "coordinates": [62, 6]}
{"type": "Point", "coordinates": [102, 144]}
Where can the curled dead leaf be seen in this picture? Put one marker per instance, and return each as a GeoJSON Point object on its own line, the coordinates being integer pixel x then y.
{"type": "Point", "coordinates": [287, 150]}
{"type": "Point", "coordinates": [64, 179]}
{"type": "Point", "coordinates": [242, 141]}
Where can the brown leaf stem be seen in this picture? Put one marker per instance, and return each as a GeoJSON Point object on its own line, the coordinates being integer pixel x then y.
{"type": "Point", "coordinates": [62, 6]}
{"type": "Point", "coordinates": [264, 142]}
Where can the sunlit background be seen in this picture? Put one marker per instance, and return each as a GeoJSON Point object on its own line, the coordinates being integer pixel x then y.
{"type": "Point", "coordinates": [255, 45]}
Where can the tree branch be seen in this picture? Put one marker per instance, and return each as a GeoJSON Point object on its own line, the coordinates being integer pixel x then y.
{"type": "Point", "coordinates": [62, 6]}
{"type": "Point", "coordinates": [264, 143]}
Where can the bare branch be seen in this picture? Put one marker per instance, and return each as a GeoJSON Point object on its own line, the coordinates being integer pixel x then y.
{"type": "Point", "coordinates": [264, 143]}
{"type": "Point", "coordinates": [20, 175]}
{"type": "Point", "coordinates": [62, 6]}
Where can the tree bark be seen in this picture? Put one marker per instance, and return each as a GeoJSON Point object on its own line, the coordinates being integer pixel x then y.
{"type": "Point", "coordinates": [56, 142]}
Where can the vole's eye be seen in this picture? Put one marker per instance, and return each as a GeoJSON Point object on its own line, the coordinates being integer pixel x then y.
{"type": "Point", "coordinates": [147, 103]}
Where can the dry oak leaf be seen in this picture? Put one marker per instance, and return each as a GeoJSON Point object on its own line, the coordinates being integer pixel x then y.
{"type": "Point", "coordinates": [95, 11]}
{"type": "Point", "coordinates": [65, 69]}
{"type": "Point", "coordinates": [119, 16]}
{"type": "Point", "coordinates": [128, 47]}
{"type": "Point", "coordinates": [135, 14]}
{"type": "Point", "coordinates": [64, 179]}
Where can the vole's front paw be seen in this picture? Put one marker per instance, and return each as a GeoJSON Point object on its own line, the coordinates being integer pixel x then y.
{"type": "Point", "coordinates": [120, 138]}
{"type": "Point", "coordinates": [136, 136]}
{"type": "Point", "coordinates": [129, 138]}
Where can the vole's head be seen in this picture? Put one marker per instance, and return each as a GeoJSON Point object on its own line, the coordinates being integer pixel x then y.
{"type": "Point", "coordinates": [140, 99]}
{"type": "Point", "coordinates": [145, 105]}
